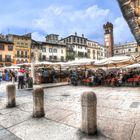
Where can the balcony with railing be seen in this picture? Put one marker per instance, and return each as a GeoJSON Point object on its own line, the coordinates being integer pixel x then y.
{"type": "Point", "coordinates": [22, 56]}
{"type": "Point", "coordinates": [52, 59]}
{"type": "Point", "coordinates": [6, 60]}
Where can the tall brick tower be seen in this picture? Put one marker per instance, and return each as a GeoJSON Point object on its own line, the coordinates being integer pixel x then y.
{"type": "Point", "coordinates": [108, 39]}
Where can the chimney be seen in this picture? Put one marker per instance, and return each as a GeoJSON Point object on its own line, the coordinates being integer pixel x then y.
{"type": "Point", "coordinates": [83, 35]}
{"type": "Point", "coordinates": [75, 33]}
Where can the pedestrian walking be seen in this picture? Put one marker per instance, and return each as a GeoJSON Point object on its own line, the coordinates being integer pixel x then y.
{"type": "Point", "coordinates": [6, 75]}
{"type": "Point", "coordinates": [45, 76]}
{"type": "Point", "coordinates": [0, 76]}
{"type": "Point", "coordinates": [20, 79]}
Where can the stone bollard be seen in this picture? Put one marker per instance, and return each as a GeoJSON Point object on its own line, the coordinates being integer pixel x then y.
{"type": "Point", "coordinates": [38, 103]}
{"type": "Point", "coordinates": [11, 95]}
{"type": "Point", "coordinates": [89, 120]}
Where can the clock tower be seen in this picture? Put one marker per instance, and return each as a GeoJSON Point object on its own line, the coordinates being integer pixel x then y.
{"type": "Point", "coordinates": [108, 39]}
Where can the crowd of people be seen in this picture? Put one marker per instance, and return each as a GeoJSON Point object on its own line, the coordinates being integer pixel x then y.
{"type": "Point", "coordinates": [46, 75]}
{"type": "Point", "coordinates": [114, 77]}
{"type": "Point", "coordinates": [8, 75]}
{"type": "Point", "coordinates": [22, 77]}
{"type": "Point", "coordinates": [106, 78]}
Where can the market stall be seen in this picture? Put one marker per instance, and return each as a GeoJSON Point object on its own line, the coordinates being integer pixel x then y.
{"type": "Point", "coordinates": [115, 62]}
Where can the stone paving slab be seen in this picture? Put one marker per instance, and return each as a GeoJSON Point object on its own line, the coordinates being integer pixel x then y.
{"type": "Point", "coordinates": [73, 120]}
{"type": "Point", "coordinates": [1, 127]}
{"type": "Point", "coordinates": [127, 105]}
{"type": "Point", "coordinates": [67, 105]}
{"type": "Point", "coordinates": [116, 118]}
{"type": "Point", "coordinates": [23, 93]}
{"type": "Point", "coordinates": [8, 110]}
{"type": "Point", "coordinates": [115, 129]}
{"type": "Point", "coordinates": [28, 107]}
{"type": "Point", "coordinates": [2, 104]}
{"type": "Point", "coordinates": [58, 114]}
{"type": "Point", "coordinates": [22, 100]}
{"type": "Point", "coordinates": [13, 118]}
{"type": "Point", "coordinates": [136, 132]}
{"type": "Point", "coordinates": [115, 97]}
{"type": "Point", "coordinates": [109, 103]}
{"type": "Point", "coordinates": [44, 129]}
{"type": "Point", "coordinates": [6, 135]}
{"type": "Point", "coordinates": [123, 115]}
{"type": "Point", "coordinates": [41, 129]}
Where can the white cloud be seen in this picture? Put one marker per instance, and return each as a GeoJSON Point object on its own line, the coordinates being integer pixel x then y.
{"type": "Point", "coordinates": [18, 19]}
{"type": "Point", "coordinates": [37, 36]}
{"type": "Point", "coordinates": [65, 20]}
{"type": "Point", "coordinates": [122, 31]}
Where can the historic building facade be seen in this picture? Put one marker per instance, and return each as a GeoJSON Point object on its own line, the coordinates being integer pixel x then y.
{"type": "Point", "coordinates": [95, 50]}
{"type": "Point", "coordinates": [53, 50]}
{"type": "Point", "coordinates": [6, 52]}
{"type": "Point", "coordinates": [76, 46]}
{"type": "Point", "coordinates": [22, 47]}
{"type": "Point", "coordinates": [36, 51]}
{"type": "Point", "coordinates": [130, 48]}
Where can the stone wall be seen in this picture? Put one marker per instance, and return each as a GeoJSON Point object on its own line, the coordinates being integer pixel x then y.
{"type": "Point", "coordinates": [131, 12]}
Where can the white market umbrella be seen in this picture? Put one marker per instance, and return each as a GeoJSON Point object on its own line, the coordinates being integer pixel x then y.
{"type": "Point", "coordinates": [43, 63]}
{"type": "Point", "coordinates": [23, 64]}
{"type": "Point", "coordinates": [12, 67]}
{"type": "Point", "coordinates": [116, 61]}
{"type": "Point", "coordinates": [137, 65]}
{"type": "Point", "coordinates": [84, 61]}
{"type": "Point", "coordinates": [102, 62]}
{"type": "Point", "coordinates": [2, 68]}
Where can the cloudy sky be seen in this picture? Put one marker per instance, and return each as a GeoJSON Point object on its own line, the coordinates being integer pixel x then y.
{"type": "Point", "coordinates": [63, 17]}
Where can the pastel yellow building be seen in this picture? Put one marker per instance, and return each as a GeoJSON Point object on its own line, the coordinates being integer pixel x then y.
{"type": "Point", "coordinates": [22, 47]}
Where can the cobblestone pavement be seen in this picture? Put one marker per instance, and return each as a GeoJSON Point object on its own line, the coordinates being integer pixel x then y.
{"type": "Point", "coordinates": [118, 114]}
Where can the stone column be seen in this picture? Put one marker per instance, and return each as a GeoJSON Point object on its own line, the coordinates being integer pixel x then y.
{"type": "Point", "coordinates": [89, 119]}
{"type": "Point", "coordinates": [11, 95]}
{"type": "Point", "coordinates": [38, 103]}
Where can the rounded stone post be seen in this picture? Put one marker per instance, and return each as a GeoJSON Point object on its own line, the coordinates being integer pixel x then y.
{"type": "Point", "coordinates": [11, 95]}
{"type": "Point", "coordinates": [38, 103]}
{"type": "Point", "coordinates": [89, 119]}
